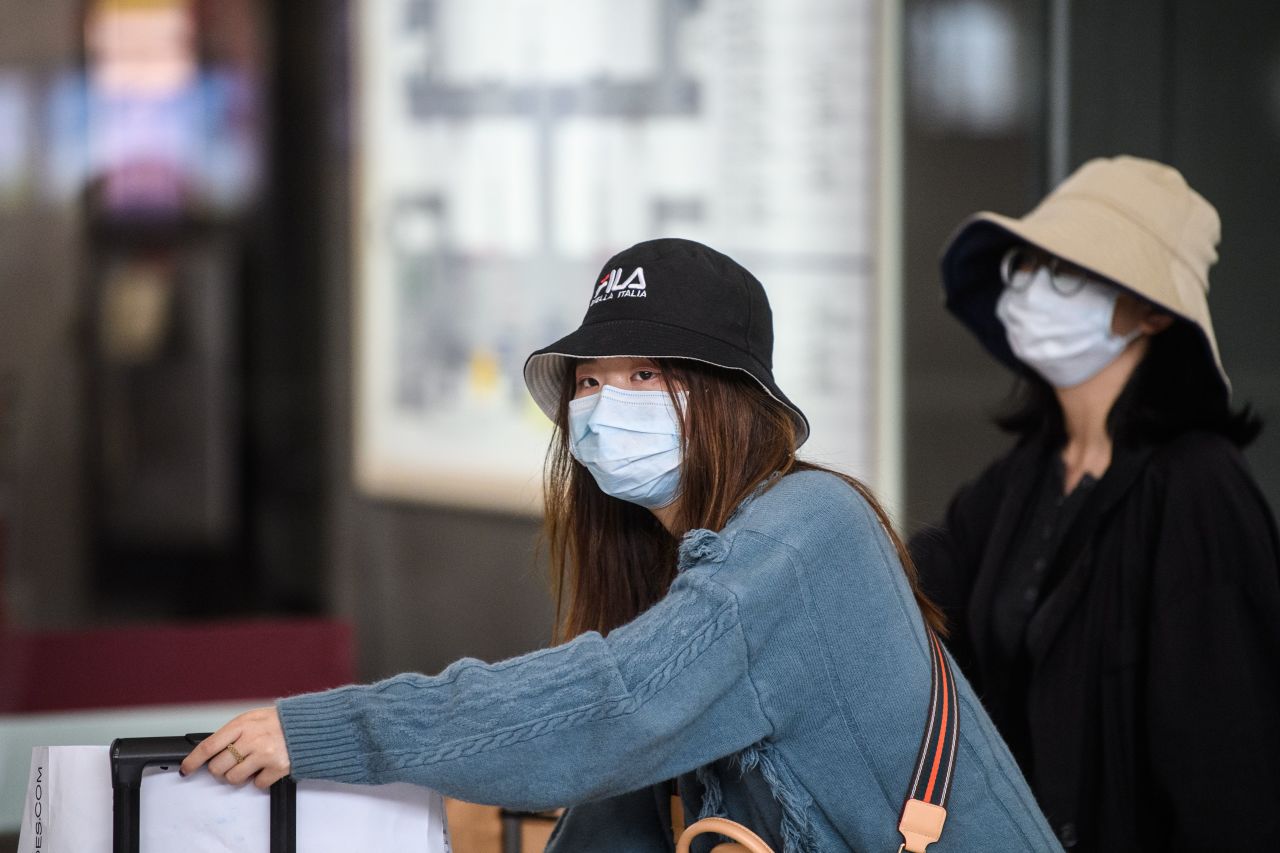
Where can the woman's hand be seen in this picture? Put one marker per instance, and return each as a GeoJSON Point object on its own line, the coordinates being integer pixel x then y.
{"type": "Point", "coordinates": [251, 746]}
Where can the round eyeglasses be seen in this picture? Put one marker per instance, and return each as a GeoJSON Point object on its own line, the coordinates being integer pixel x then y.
{"type": "Point", "coordinates": [1066, 278]}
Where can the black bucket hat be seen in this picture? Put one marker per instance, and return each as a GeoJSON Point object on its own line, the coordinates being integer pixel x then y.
{"type": "Point", "coordinates": [668, 298]}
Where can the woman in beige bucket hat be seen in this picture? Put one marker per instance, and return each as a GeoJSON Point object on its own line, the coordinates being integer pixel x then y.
{"type": "Point", "coordinates": [1112, 583]}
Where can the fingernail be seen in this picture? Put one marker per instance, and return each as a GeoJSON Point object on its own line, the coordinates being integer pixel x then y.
{"type": "Point", "coordinates": [181, 772]}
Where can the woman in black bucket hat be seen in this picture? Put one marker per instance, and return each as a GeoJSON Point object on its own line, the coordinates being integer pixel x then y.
{"type": "Point", "coordinates": [1113, 582]}
{"type": "Point", "coordinates": [734, 624]}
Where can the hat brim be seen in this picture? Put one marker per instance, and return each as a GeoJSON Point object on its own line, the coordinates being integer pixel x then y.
{"type": "Point", "coordinates": [544, 370]}
{"type": "Point", "coordinates": [1085, 233]}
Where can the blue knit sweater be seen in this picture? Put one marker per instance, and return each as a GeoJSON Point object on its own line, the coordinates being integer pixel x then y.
{"type": "Point", "coordinates": [784, 679]}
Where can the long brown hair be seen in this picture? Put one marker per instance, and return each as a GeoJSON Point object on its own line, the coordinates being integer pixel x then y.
{"type": "Point", "coordinates": [611, 559]}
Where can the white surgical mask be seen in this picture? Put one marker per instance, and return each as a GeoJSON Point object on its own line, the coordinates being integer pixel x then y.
{"type": "Point", "coordinates": [630, 442]}
{"type": "Point", "coordinates": [1067, 339]}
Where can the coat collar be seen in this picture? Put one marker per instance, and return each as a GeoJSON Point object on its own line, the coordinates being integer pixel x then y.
{"type": "Point", "coordinates": [1073, 562]}
{"type": "Point", "coordinates": [1023, 466]}
{"type": "Point", "coordinates": [1026, 465]}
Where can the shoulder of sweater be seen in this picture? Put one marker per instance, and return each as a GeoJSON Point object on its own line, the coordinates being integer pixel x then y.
{"type": "Point", "coordinates": [800, 504]}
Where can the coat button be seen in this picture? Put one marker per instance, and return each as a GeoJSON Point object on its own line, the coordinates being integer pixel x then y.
{"type": "Point", "coordinates": [1067, 835]}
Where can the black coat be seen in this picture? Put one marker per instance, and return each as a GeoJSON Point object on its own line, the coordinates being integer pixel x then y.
{"type": "Point", "coordinates": [1153, 693]}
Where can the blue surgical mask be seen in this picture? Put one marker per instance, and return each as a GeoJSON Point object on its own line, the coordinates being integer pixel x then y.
{"type": "Point", "coordinates": [630, 442]}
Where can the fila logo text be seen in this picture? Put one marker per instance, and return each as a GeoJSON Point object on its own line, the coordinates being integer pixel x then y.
{"type": "Point", "coordinates": [613, 286]}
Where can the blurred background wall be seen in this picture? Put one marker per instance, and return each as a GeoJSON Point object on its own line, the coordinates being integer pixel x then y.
{"type": "Point", "coordinates": [42, 466]}
{"type": "Point", "coordinates": [234, 390]}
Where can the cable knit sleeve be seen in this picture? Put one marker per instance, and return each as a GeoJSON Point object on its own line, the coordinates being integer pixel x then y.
{"type": "Point", "coordinates": [595, 717]}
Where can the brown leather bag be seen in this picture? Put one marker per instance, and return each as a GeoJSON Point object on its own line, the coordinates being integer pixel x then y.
{"type": "Point", "coordinates": [924, 812]}
{"type": "Point", "coordinates": [744, 840]}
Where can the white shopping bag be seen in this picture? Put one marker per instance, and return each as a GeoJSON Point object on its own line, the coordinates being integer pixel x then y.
{"type": "Point", "coordinates": [68, 810]}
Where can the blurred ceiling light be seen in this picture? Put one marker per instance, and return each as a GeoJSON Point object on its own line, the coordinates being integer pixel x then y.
{"type": "Point", "coordinates": [141, 47]}
{"type": "Point", "coordinates": [964, 74]}
{"type": "Point", "coordinates": [136, 313]}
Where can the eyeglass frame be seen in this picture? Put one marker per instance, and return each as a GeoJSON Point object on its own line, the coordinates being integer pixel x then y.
{"type": "Point", "coordinates": [1036, 258]}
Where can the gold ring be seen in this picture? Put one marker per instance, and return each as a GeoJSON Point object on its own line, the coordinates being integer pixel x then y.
{"type": "Point", "coordinates": [235, 753]}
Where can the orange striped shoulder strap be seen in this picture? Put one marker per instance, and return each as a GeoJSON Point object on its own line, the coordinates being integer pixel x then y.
{"type": "Point", "coordinates": [925, 810]}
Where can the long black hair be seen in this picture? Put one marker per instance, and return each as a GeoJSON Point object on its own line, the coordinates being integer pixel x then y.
{"type": "Point", "coordinates": [1174, 389]}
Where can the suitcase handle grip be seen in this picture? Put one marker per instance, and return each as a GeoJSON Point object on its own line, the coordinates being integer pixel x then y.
{"type": "Point", "coordinates": [131, 756]}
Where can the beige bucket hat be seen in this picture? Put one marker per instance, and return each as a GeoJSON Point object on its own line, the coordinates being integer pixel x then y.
{"type": "Point", "coordinates": [1134, 222]}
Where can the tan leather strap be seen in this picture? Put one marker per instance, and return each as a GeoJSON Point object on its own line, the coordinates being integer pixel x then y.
{"type": "Point", "coordinates": [921, 825]}
{"type": "Point", "coordinates": [677, 815]}
{"type": "Point", "coordinates": [746, 840]}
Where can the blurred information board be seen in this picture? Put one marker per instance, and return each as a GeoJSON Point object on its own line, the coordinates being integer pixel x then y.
{"type": "Point", "coordinates": [506, 149]}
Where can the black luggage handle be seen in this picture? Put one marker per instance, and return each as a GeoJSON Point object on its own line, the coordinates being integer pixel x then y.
{"type": "Point", "coordinates": [132, 755]}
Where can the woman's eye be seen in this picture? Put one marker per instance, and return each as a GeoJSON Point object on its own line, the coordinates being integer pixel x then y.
{"type": "Point", "coordinates": [646, 375]}
{"type": "Point", "coordinates": [587, 382]}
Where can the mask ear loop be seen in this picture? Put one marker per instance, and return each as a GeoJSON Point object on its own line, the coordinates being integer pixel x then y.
{"type": "Point", "coordinates": [1129, 336]}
